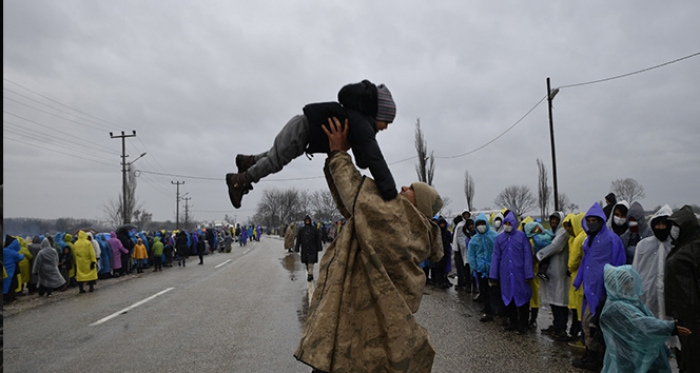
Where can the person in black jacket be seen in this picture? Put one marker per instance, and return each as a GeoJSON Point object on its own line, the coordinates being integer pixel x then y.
{"type": "Point", "coordinates": [309, 239]}
{"type": "Point", "coordinates": [201, 248]}
{"type": "Point", "coordinates": [367, 109]}
{"type": "Point", "coordinates": [181, 248]}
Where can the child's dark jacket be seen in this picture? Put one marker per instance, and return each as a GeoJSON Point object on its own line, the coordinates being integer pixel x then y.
{"type": "Point", "coordinates": [359, 106]}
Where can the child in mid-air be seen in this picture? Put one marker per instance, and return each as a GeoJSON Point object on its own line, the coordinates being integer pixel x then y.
{"type": "Point", "coordinates": [366, 107]}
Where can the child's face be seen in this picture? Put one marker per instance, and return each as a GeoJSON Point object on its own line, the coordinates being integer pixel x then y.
{"type": "Point", "coordinates": [382, 125]}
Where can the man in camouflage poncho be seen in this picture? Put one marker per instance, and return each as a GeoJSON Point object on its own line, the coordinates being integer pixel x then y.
{"type": "Point", "coordinates": [371, 283]}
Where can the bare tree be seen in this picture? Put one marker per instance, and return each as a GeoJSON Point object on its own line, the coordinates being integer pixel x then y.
{"type": "Point", "coordinates": [543, 191]}
{"type": "Point", "coordinates": [324, 206]}
{"type": "Point", "coordinates": [627, 189]}
{"type": "Point", "coordinates": [141, 218]}
{"type": "Point", "coordinates": [469, 189]}
{"type": "Point", "coordinates": [517, 198]}
{"type": "Point", "coordinates": [566, 205]}
{"type": "Point", "coordinates": [426, 163]}
{"type": "Point", "coordinates": [113, 212]}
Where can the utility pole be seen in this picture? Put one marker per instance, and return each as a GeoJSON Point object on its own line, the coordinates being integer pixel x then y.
{"type": "Point", "coordinates": [550, 97]}
{"type": "Point", "coordinates": [177, 203]}
{"type": "Point", "coordinates": [187, 211]}
{"type": "Point", "coordinates": [125, 218]}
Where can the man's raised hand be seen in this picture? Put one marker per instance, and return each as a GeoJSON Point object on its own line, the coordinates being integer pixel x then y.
{"type": "Point", "coordinates": [337, 134]}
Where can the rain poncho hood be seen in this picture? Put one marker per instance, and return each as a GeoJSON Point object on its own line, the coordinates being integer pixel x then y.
{"type": "Point", "coordinates": [634, 338]}
{"type": "Point", "coordinates": [649, 261]}
{"type": "Point", "coordinates": [610, 220]}
{"type": "Point", "coordinates": [511, 264]}
{"type": "Point", "coordinates": [46, 266]}
{"type": "Point", "coordinates": [681, 277]}
{"type": "Point", "coordinates": [10, 258]}
{"type": "Point", "coordinates": [603, 248]}
{"type": "Point", "coordinates": [630, 239]}
{"type": "Point", "coordinates": [480, 247]}
{"type": "Point", "coordinates": [555, 291]}
{"type": "Point", "coordinates": [84, 259]}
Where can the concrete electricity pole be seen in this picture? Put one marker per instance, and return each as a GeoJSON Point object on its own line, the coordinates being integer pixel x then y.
{"type": "Point", "coordinates": [126, 219]}
{"type": "Point", "coordinates": [177, 203]}
{"type": "Point", "coordinates": [550, 96]}
{"type": "Point", "coordinates": [187, 211]}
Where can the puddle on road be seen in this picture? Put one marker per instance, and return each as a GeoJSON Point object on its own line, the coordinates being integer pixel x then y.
{"type": "Point", "coordinates": [291, 263]}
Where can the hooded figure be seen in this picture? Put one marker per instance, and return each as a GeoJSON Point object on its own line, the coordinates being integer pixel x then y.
{"type": "Point", "coordinates": [309, 240]}
{"type": "Point", "coordinates": [480, 251]}
{"type": "Point", "coordinates": [96, 247]}
{"type": "Point", "coordinates": [555, 290]}
{"type": "Point", "coordinates": [618, 224]}
{"type": "Point", "coordinates": [46, 267]}
{"type": "Point", "coordinates": [511, 266]}
{"type": "Point", "coordinates": [361, 317]}
{"type": "Point", "coordinates": [118, 250]}
{"type": "Point", "coordinates": [634, 338]}
{"type": "Point", "coordinates": [637, 230]}
{"type": "Point", "coordinates": [574, 263]}
{"type": "Point", "coordinates": [649, 261]}
{"type": "Point", "coordinates": [601, 247]}
{"type": "Point", "coordinates": [85, 261]}
{"type": "Point", "coordinates": [25, 267]}
{"type": "Point", "coordinates": [682, 282]}
{"type": "Point", "coordinates": [10, 260]}
{"type": "Point", "coordinates": [610, 201]}
{"type": "Point", "coordinates": [34, 249]}
{"type": "Point", "coordinates": [105, 263]}
{"type": "Point", "coordinates": [289, 235]}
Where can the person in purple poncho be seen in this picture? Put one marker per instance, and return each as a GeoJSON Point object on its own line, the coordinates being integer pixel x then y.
{"type": "Point", "coordinates": [118, 250]}
{"type": "Point", "coordinates": [602, 246]}
{"type": "Point", "coordinates": [511, 266]}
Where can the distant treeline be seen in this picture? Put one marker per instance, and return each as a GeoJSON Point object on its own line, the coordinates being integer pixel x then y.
{"type": "Point", "coordinates": [32, 226]}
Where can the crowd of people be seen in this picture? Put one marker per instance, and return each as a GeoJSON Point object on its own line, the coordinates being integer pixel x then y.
{"type": "Point", "coordinates": [621, 286]}
{"type": "Point", "coordinates": [46, 263]}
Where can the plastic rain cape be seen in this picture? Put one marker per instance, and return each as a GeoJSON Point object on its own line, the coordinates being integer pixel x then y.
{"type": "Point", "coordinates": [633, 336]}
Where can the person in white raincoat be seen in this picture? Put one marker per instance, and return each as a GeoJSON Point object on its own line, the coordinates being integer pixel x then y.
{"type": "Point", "coordinates": [649, 261]}
{"type": "Point", "coordinates": [555, 291]}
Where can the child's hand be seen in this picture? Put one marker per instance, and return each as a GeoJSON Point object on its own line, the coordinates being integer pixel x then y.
{"type": "Point", "coordinates": [337, 135]}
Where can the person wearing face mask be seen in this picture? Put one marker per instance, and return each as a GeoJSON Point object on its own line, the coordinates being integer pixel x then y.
{"type": "Point", "coordinates": [649, 261]}
{"type": "Point", "coordinates": [682, 282]}
{"type": "Point", "coordinates": [601, 247]}
{"type": "Point", "coordinates": [555, 290]}
{"type": "Point", "coordinates": [617, 220]}
{"type": "Point", "coordinates": [497, 220]}
{"type": "Point", "coordinates": [637, 230]}
{"type": "Point", "coordinates": [511, 266]}
{"type": "Point", "coordinates": [480, 251]}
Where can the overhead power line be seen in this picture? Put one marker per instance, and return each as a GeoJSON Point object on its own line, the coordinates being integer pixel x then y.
{"type": "Point", "coordinates": [57, 151]}
{"type": "Point", "coordinates": [64, 105]}
{"type": "Point", "coordinates": [631, 73]}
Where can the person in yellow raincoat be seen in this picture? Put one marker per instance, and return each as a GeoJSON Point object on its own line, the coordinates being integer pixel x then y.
{"type": "Point", "coordinates": [85, 262]}
{"type": "Point", "coordinates": [578, 236]}
{"type": "Point", "coordinates": [140, 255]}
{"type": "Point", "coordinates": [24, 265]}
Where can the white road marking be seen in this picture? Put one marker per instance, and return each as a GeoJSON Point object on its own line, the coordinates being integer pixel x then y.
{"type": "Point", "coordinates": [246, 252]}
{"type": "Point", "coordinates": [127, 309]}
{"type": "Point", "coordinates": [222, 264]}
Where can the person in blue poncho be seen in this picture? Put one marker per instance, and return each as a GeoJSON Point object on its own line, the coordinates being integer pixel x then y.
{"type": "Point", "coordinates": [634, 337]}
{"type": "Point", "coordinates": [602, 246]}
{"type": "Point", "coordinates": [511, 267]}
{"type": "Point", "coordinates": [479, 253]}
{"type": "Point", "coordinates": [10, 260]}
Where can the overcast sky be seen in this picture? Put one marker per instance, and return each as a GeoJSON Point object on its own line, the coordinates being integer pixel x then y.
{"type": "Point", "coordinates": [201, 81]}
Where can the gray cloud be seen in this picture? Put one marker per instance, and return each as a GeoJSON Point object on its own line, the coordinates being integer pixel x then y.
{"type": "Point", "coordinates": [203, 81]}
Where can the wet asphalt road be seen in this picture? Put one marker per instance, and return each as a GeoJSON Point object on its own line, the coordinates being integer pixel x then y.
{"type": "Point", "coordinates": [239, 312]}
